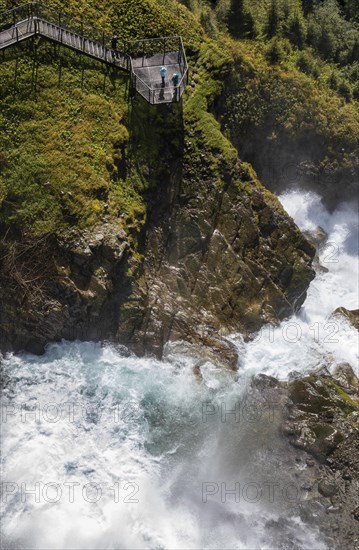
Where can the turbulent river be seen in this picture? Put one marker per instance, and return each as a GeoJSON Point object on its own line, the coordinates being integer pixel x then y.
{"type": "Point", "coordinates": [103, 450]}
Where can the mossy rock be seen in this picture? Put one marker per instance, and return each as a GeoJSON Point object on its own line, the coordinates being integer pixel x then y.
{"type": "Point", "coordinates": [309, 395]}
{"type": "Point", "coordinates": [327, 440]}
{"type": "Point", "coordinates": [350, 315]}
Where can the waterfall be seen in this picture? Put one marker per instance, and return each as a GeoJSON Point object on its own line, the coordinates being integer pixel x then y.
{"type": "Point", "coordinates": [105, 450]}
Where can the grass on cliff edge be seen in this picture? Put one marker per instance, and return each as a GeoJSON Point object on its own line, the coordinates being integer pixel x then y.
{"type": "Point", "coordinates": [236, 96]}
{"type": "Point", "coordinates": [65, 134]}
{"type": "Point", "coordinates": [60, 139]}
{"type": "Point", "coordinates": [64, 137]}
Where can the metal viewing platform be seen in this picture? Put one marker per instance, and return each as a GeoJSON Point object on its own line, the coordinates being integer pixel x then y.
{"type": "Point", "coordinates": [141, 58]}
{"type": "Point", "coordinates": [147, 57]}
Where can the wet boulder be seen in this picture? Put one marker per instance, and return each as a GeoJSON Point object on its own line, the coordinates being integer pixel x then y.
{"type": "Point", "coordinates": [351, 315]}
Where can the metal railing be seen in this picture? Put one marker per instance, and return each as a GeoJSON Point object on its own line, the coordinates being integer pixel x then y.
{"type": "Point", "coordinates": [34, 18]}
{"type": "Point", "coordinates": [31, 14]}
{"type": "Point", "coordinates": [146, 47]}
{"type": "Point", "coordinates": [147, 56]}
{"type": "Point", "coordinates": [33, 10]}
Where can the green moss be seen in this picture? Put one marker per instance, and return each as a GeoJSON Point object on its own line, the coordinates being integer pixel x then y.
{"type": "Point", "coordinates": [126, 203]}
{"type": "Point", "coordinates": [349, 404]}
{"type": "Point", "coordinates": [64, 121]}
{"type": "Point", "coordinates": [61, 134]}
{"type": "Point", "coordinates": [129, 19]}
{"type": "Point", "coordinates": [150, 18]}
{"type": "Point", "coordinates": [212, 66]}
{"type": "Point", "coordinates": [322, 430]}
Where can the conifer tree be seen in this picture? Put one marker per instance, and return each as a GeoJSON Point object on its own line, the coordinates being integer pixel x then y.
{"type": "Point", "coordinates": [297, 30]}
{"type": "Point", "coordinates": [272, 25]}
{"type": "Point", "coordinates": [351, 9]}
{"type": "Point", "coordinates": [240, 21]}
{"type": "Point", "coordinates": [327, 43]}
{"type": "Point", "coordinates": [308, 5]}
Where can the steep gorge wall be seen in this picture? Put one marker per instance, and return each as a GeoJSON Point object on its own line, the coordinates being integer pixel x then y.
{"type": "Point", "coordinates": [216, 254]}
{"type": "Point", "coordinates": [223, 257]}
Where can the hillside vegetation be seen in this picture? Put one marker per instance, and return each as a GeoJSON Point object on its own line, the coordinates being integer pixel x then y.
{"type": "Point", "coordinates": [65, 121]}
{"type": "Point", "coordinates": [86, 166]}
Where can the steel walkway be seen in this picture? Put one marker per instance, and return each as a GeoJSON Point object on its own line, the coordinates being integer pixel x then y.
{"type": "Point", "coordinates": [35, 19]}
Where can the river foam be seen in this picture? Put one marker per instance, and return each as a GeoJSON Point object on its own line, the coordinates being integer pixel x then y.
{"type": "Point", "coordinates": [313, 338]}
{"type": "Point", "coordinates": [123, 452]}
{"type": "Point", "coordinates": [106, 451]}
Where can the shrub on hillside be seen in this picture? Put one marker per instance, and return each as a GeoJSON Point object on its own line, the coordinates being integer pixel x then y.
{"type": "Point", "coordinates": [345, 90]}
{"type": "Point", "coordinates": [275, 52]}
{"type": "Point", "coordinates": [307, 64]}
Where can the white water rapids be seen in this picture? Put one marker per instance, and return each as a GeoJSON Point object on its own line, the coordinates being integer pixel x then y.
{"type": "Point", "coordinates": [106, 451]}
{"type": "Point", "coordinates": [312, 338]}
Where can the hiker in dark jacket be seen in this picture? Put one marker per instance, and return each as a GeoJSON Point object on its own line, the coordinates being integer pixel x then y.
{"type": "Point", "coordinates": [114, 41]}
{"type": "Point", "coordinates": [175, 82]}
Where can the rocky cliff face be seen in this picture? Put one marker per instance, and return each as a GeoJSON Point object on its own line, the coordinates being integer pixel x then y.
{"type": "Point", "coordinates": [217, 257]}
{"type": "Point", "coordinates": [216, 254]}
{"type": "Point", "coordinates": [313, 427]}
{"type": "Point", "coordinates": [222, 258]}
{"type": "Point", "coordinates": [322, 419]}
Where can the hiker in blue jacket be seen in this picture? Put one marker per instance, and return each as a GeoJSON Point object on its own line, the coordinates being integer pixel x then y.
{"type": "Point", "coordinates": [163, 72]}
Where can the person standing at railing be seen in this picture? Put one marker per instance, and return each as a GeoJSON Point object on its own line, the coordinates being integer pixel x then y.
{"type": "Point", "coordinates": [114, 41]}
{"type": "Point", "coordinates": [163, 72]}
{"type": "Point", "coordinates": [175, 81]}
